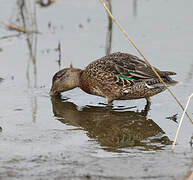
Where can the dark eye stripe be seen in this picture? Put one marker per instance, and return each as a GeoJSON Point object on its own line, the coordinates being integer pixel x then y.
{"type": "Point", "coordinates": [58, 75]}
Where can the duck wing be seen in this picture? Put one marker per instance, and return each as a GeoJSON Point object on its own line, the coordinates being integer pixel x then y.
{"type": "Point", "coordinates": [130, 66]}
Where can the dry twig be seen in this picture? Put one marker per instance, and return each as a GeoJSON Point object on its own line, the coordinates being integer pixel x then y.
{"type": "Point", "coordinates": [173, 145]}
{"type": "Point", "coordinates": [16, 28]}
{"type": "Point", "coordinates": [10, 36]}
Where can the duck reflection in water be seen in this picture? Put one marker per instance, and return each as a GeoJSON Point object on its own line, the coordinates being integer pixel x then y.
{"type": "Point", "coordinates": [112, 129]}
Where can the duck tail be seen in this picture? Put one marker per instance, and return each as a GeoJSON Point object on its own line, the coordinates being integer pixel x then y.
{"type": "Point", "coordinates": [173, 83]}
{"type": "Point", "coordinates": [166, 73]}
{"type": "Point", "coordinates": [157, 83]}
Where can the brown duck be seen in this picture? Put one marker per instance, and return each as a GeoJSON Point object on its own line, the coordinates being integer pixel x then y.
{"type": "Point", "coordinates": [118, 76]}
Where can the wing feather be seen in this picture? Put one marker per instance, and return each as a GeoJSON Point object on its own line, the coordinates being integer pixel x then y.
{"type": "Point", "coordinates": [127, 65]}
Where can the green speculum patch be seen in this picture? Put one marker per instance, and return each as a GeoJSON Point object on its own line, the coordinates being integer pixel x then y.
{"type": "Point", "coordinates": [125, 77]}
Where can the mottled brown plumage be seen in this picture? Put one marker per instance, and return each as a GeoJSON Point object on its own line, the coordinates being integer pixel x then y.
{"type": "Point", "coordinates": [115, 76]}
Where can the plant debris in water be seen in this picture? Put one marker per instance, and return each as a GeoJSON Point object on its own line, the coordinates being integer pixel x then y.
{"type": "Point", "coordinates": [173, 118]}
{"type": "Point", "coordinates": [191, 140]}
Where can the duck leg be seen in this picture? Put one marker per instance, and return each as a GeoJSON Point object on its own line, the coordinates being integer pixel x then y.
{"type": "Point", "coordinates": [148, 99]}
{"type": "Point", "coordinates": [148, 103]}
{"type": "Point", "coordinates": [144, 112]}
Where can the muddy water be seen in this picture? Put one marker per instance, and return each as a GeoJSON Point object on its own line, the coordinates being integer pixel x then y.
{"type": "Point", "coordinates": [76, 136]}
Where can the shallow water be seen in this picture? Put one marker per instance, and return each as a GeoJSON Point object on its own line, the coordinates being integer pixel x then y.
{"type": "Point", "coordinates": [77, 136]}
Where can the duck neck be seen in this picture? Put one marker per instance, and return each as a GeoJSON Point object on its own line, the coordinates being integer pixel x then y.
{"type": "Point", "coordinates": [77, 79]}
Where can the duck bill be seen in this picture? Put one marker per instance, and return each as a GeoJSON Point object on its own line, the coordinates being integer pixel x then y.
{"type": "Point", "coordinates": [53, 92]}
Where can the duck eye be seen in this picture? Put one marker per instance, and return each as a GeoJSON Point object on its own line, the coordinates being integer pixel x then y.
{"type": "Point", "coordinates": [58, 76]}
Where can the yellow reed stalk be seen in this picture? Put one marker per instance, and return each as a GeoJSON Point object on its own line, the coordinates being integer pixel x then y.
{"type": "Point", "coordinates": [138, 50]}
{"type": "Point", "coordinates": [13, 27]}
{"type": "Point", "coordinates": [173, 145]}
{"type": "Point", "coordinates": [16, 28]}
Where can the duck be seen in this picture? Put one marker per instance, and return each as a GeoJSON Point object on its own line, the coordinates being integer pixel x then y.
{"type": "Point", "coordinates": [117, 76]}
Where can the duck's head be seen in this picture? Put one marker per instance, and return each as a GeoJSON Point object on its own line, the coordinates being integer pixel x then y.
{"type": "Point", "coordinates": [64, 80]}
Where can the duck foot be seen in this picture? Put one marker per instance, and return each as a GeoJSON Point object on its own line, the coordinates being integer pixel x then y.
{"type": "Point", "coordinates": [122, 108]}
{"type": "Point", "coordinates": [105, 104]}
